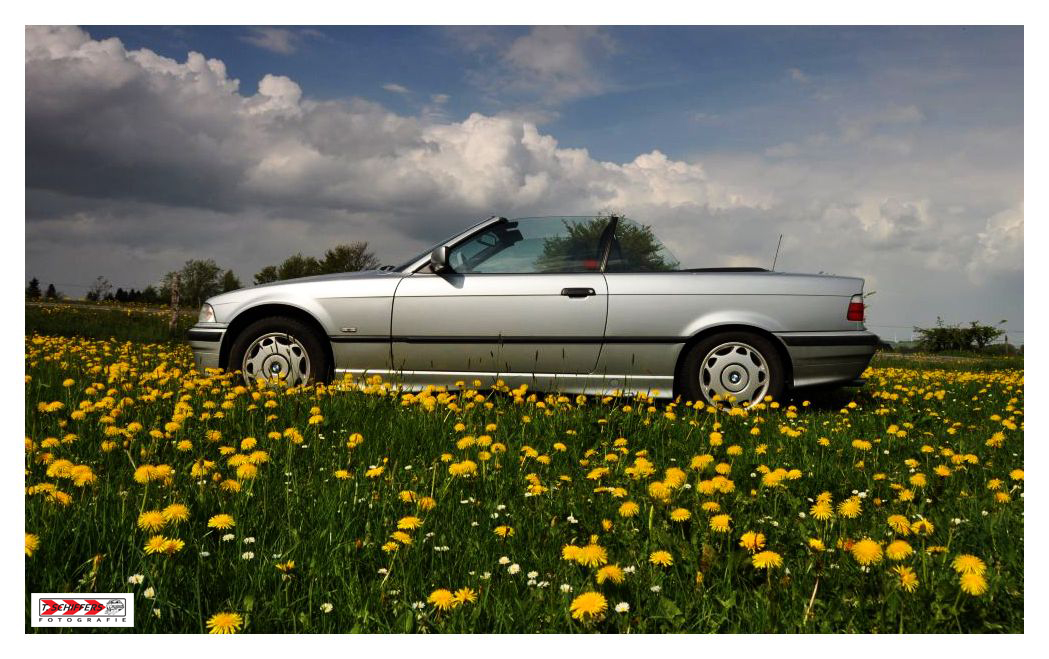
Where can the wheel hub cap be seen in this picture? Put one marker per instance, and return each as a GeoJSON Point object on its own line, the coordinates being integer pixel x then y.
{"type": "Point", "coordinates": [279, 356]}
{"type": "Point", "coordinates": [735, 372]}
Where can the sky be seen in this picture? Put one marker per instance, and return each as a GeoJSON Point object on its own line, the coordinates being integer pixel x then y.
{"type": "Point", "coordinates": [893, 154]}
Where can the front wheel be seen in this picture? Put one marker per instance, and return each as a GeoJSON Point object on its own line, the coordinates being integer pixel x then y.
{"type": "Point", "coordinates": [737, 368]}
{"type": "Point", "coordinates": [282, 348]}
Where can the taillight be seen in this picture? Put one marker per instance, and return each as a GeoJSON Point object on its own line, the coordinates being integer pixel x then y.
{"type": "Point", "coordinates": [855, 311]}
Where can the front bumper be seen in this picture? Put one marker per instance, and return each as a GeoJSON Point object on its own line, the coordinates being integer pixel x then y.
{"type": "Point", "coordinates": [821, 358]}
{"type": "Point", "coordinates": [206, 341]}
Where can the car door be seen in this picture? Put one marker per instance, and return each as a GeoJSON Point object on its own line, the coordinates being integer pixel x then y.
{"type": "Point", "coordinates": [646, 310]}
{"type": "Point", "coordinates": [525, 296]}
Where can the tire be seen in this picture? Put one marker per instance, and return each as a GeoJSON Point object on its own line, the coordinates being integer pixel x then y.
{"type": "Point", "coordinates": [742, 364]}
{"type": "Point", "coordinates": [280, 347]}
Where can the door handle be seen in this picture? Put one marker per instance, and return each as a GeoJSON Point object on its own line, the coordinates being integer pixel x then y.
{"type": "Point", "coordinates": [578, 292]}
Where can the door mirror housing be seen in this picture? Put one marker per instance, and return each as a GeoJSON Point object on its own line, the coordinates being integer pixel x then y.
{"type": "Point", "coordinates": [439, 260]}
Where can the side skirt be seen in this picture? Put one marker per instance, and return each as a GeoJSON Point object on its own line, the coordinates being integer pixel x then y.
{"type": "Point", "coordinates": [588, 384]}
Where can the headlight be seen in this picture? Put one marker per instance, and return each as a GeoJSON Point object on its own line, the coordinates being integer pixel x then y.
{"type": "Point", "coordinates": [207, 314]}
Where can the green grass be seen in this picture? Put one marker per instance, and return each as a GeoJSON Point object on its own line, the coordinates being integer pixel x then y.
{"type": "Point", "coordinates": [295, 508]}
{"type": "Point", "coordinates": [105, 321]}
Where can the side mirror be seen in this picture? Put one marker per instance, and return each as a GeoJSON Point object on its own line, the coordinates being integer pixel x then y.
{"type": "Point", "coordinates": [439, 260]}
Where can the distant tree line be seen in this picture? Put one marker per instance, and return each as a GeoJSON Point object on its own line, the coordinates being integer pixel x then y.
{"type": "Point", "coordinates": [32, 291]}
{"type": "Point", "coordinates": [201, 279]}
{"type": "Point", "coordinates": [958, 337]}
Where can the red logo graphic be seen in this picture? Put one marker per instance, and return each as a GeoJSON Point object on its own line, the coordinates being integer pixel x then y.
{"type": "Point", "coordinates": [71, 607]}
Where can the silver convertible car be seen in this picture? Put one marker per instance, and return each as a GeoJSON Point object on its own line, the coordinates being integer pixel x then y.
{"type": "Point", "coordinates": [592, 305]}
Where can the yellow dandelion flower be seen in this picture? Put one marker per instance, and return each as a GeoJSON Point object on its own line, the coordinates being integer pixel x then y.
{"type": "Point", "coordinates": [32, 543]}
{"type": "Point", "coordinates": [409, 523]}
{"type": "Point", "coordinates": [156, 545]}
{"type": "Point", "coordinates": [591, 555]}
{"type": "Point", "coordinates": [286, 567]}
{"type": "Point", "coordinates": [612, 573]}
{"type": "Point", "coordinates": [629, 509]}
{"type": "Point", "coordinates": [721, 523]}
{"type": "Point", "coordinates": [766, 560]}
{"type": "Point", "coordinates": [152, 520]}
{"type": "Point", "coordinates": [907, 580]}
{"type": "Point", "coordinates": [968, 564]}
{"type": "Point", "coordinates": [866, 552]}
{"type": "Point", "coordinates": [222, 521]}
{"type": "Point", "coordinates": [898, 550]}
{"type": "Point", "coordinates": [973, 584]}
{"type": "Point", "coordinates": [822, 511]}
{"type": "Point", "coordinates": [589, 607]}
{"type": "Point", "coordinates": [464, 595]}
{"type": "Point", "coordinates": [225, 623]}
{"type": "Point", "coordinates": [661, 558]}
{"type": "Point", "coordinates": [752, 541]}
{"type": "Point", "coordinates": [922, 527]}
{"type": "Point", "coordinates": [172, 545]}
{"type": "Point", "coordinates": [899, 524]}
{"type": "Point", "coordinates": [504, 531]}
{"type": "Point", "coordinates": [850, 508]}
{"type": "Point", "coordinates": [443, 599]}
{"type": "Point", "coordinates": [680, 515]}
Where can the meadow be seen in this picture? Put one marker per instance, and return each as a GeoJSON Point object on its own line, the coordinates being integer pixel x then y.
{"type": "Point", "coordinates": [355, 507]}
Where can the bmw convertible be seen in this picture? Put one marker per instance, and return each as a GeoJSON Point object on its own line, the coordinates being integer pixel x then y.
{"type": "Point", "coordinates": [591, 305]}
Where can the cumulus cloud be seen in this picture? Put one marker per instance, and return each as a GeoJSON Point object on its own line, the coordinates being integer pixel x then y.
{"type": "Point", "coordinates": [273, 39]}
{"type": "Point", "coordinates": [548, 65]}
{"type": "Point", "coordinates": [146, 161]}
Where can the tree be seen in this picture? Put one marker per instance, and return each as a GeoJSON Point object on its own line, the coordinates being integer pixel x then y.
{"type": "Point", "coordinates": [51, 293]}
{"type": "Point", "coordinates": [981, 335]}
{"type": "Point", "coordinates": [230, 282]}
{"type": "Point", "coordinates": [266, 275]}
{"type": "Point", "coordinates": [150, 295]}
{"type": "Point", "coordinates": [634, 248]}
{"type": "Point", "coordinates": [99, 290]}
{"type": "Point", "coordinates": [200, 280]}
{"type": "Point", "coordinates": [349, 258]}
{"type": "Point", "coordinates": [955, 337]}
{"type": "Point", "coordinates": [32, 291]}
{"type": "Point", "coordinates": [298, 266]}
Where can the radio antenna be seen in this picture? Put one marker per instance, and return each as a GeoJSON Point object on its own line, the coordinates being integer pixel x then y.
{"type": "Point", "coordinates": [776, 257]}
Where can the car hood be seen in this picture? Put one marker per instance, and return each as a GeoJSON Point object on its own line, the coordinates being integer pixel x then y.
{"type": "Point", "coordinates": [239, 294]}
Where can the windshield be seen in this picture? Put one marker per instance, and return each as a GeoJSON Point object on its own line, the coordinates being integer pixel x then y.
{"type": "Point", "coordinates": [402, 267]}
{"type": "Point", "coordinates": [533, 245]}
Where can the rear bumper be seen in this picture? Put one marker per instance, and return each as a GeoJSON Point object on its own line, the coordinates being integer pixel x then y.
{"type": "Point", "coordinates": [821, 358]}
{"type": "Point", "coordinates": [206, 341]}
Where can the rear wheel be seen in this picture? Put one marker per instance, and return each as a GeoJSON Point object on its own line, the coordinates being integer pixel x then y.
{"type": "Point", "coordinates": [734, 368]}
{"type": "Point", "coordinates": [282, 348]}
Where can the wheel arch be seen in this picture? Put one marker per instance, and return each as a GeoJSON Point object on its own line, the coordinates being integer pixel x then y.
{"type": "Point", "coordinates": [250, 315]}
{"type": "Point", "coordinates": [780, 347]}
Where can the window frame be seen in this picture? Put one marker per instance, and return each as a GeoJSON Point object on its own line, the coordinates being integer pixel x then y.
{"type": "Point", "coordinates": [604, 247]}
